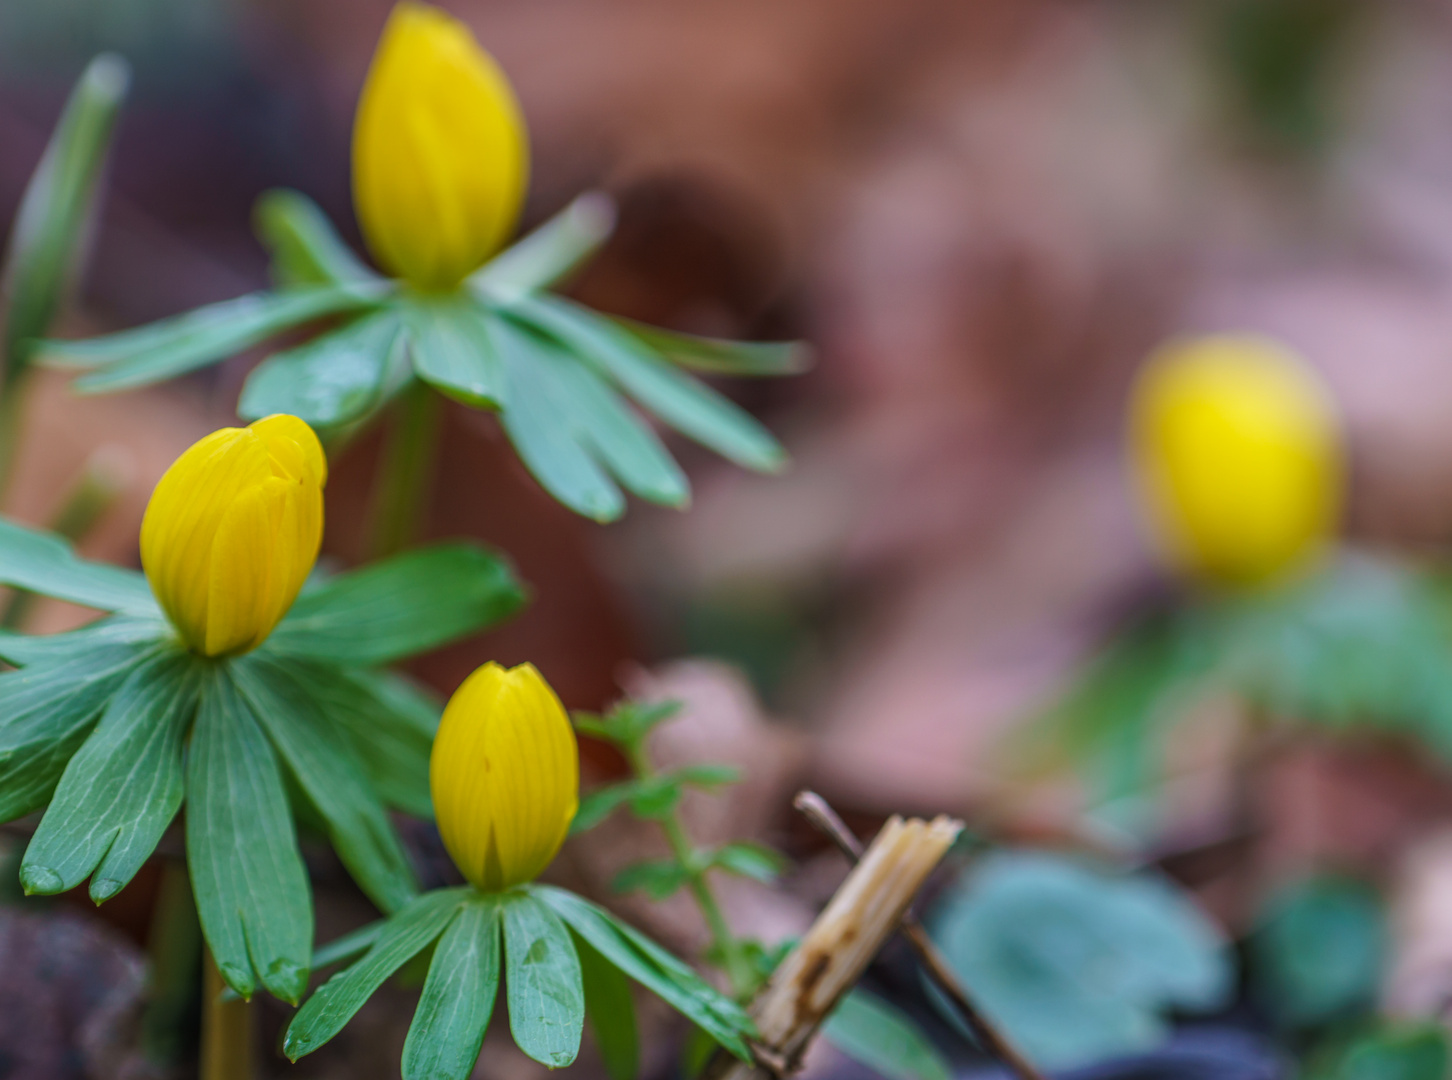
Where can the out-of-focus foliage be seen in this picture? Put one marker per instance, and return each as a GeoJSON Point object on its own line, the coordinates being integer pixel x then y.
{"type": "Point", "coordinates": [1364, 642]}
{"type": "Point", "coordinates": [1393, 1052]}
{"type": "Point", "coordinates": [1320, 951]}
{"type": "Point", "coordinates": [1077, 963]}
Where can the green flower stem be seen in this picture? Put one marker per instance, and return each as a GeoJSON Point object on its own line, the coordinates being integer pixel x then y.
{"type": "Point", "coordinates": [734, 961]}
{"type": "Point", "coordinates": [13, 396]}
{"type": "Point", "coordinates": [102, 480]}
{"type": "Point", "coordinates": [401, 489]}
{"type": "Point", "coordinates": [174, 948]}
{"type": "Point", "coordinates": [226, 1030]}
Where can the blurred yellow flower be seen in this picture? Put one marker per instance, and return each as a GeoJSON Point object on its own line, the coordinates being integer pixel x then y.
{"type": "Point", "coordinates": [505, 776]}
{"type": "Point", "coordinates": [232, 531]}
{"type": "Point", "coordinates": [1237, 448]}
{"type": "Point", "coordinates": [440, 152]}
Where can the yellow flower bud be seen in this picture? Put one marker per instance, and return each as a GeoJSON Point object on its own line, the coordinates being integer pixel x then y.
{"type": "Point", "coordinates": [232, 531]}
{"type": "Point", "coordinates": [1237, 447]}
{"type": "Point", "coordinates": [505, 776]}
{"type": "Point", "coordinates": [440, 152]}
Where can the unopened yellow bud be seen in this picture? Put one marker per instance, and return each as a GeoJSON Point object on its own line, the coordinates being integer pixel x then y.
{"type": "Point", "coordinates": [1237, 447]}
{"type": "Point", "coordinates": [440, 153]}
{"type": "Point", "coordinates": [232, 531]}
{"type": "Point", "coordinates": [505, 776]}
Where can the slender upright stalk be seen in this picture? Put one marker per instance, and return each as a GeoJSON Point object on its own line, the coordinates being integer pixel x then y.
{"type": "Point", "coordinates": [226, 1030]}
{"type": "Point", "coordinates": [401, 487]}
{"type": "Point", "coordinates": [734, 961]}
{"type": "Point", "coordinates": [174, 949]}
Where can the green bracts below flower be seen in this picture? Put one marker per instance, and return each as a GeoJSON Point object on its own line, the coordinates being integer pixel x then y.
{"type": "Point", "coordinates": [561, 958]}
{"type": "Point", "coordinates": [561, 377]}
{"type": "Point", "coordinates": [112, 727]}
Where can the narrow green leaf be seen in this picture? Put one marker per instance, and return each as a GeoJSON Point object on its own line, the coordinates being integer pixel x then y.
{"type": "Point", "coordinates": [689, 406]}
{"type": "Point", "coordinates": [717, 356]}
{"type": "Point", "coordinates": [458, 997]}
{"type": "Point", "coordinates": [598, 805]}
{"type": "Point", "coordinates": [23, 650]}
{"type": "Point", "coordinates": [404, 936]}
{"type": "Point", "coordinates": [348, 947]}
{"type": "Point", "coordinates": [611, 1012]}
{"type": "Point", "coordinates": [182, 343]}
{"type": "Point", "coordinates": [391, 725]}
{"type": "Point", "coordinates": [44, 563]}
{"type": "Point", "coordinates": [654, 968]}
{"type": "Point", "coordinates": [393, 609]}
{"type": "Point", "coordinates": [657, 878]}
{"type": "Point", "coordinates": [747, 859]}
{"type": "Point", "coordinates": [54, 209]}
{"type": "Point", "coordinates": [306, 249]}
{"type": "Point", "coordinates": [335, 378]}
{"type": "Point", "coordinates": [121, 789]}
{"type": "Point", "coordinates": [321, 758]}
{"type": "Point", "coordinates": [454, 352]}
{"type": "Point", "coordinates": [656, 798]}
{"type": "Point", "coordinates": [552, 252]}
{"type": "Point", "coordinates": [612, 432]}
{"type": "Point", "coordinates": [252, 889]}
{"type": "Point", "coordinates": [885, 1039]}
{"type": "Point", "coordinates": [542, 982]}
{"type": "Point", "coordinates": [534, 421]}
{"type": "Point", "coordinates": [46, 713]}
{"type": "Point", "coordinates": [707, 775]}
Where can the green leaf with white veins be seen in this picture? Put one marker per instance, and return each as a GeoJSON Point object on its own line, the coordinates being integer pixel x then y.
{"type": "Point", "coordinates": [458, 996]}
{"type": "Point", "coordinates": [542, 981]}
{"type": "Point", "coordinates": [251, 887]}
{"type": "Point", "coordinates": [122, 788]}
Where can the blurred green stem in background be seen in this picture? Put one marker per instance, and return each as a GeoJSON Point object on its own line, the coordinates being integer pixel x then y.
{"type": "Point", "coordinates": [174, 945]}
{"type": "Point", "coordinates": [402, 482]}
{"type": "Point", "coordinates": [44, 241]}
{"type": "Point", "coordinates": [740, 972]}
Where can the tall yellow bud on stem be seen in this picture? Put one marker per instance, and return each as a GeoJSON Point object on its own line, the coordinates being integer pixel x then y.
{"type": "Point", "coordinates": [232, 531]}
{"type": "Point", "coordinates": [505, 776]}
{"type": "Point", "coordinates": [440, 153]}
{"type": "Point", "coordinates": [1236, 446]}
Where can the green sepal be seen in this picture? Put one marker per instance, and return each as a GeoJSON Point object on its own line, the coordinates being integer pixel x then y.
{"type": "Point", "coordinates": [581, 409]}
{"type": "Point", "coordinates": [884, 1038]}
{"type": "Point", "coordinates": [252, 890]}
{"type": "Point", "coordinates": [611, 1012]}
{"type": "Point", "coordinates": [121, 789]}
{"type": "Point", "coordinates": [393, 609]}
{"type": "Point", "coordinates": [42, 562]}
{"type": "Point", "coordinates": [54, 209]}
{"type": "Point", "coordinates": [390, 721]}
{"type": "Point", "coordinates": [654, 968]}
{"type": "Point", "coordinates": [24, 650]}
{"type": "Point", "coordinates": [537, 423]}
{"type": "Point", "coordinates": [182, 343]}
{"type": "Point", "coordinates": [683, 402]}
{"type": "Point", "coordinates": [321, 757]}
{"type": "Point", "coordinates": [453, 350]}
{"type": "Point", "coordinates": [718, 356]}
{"type": "Point", "coordinates": [335, 378]}
{"type": "Point", "coordinates": [458, 996]}
{"type": "Point", "coordinates": [552, 252]}
{"type": "Point", "coordinates": [348, 947]}
{"type": "Point", "coordinates": [410, 930]}
{"type": "Point", "coordinates": [542, 981]}
{"type": "Point", "coordinates": [305, 248]}
{"type": "Point", "coordinates": [46, 713]}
